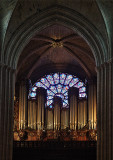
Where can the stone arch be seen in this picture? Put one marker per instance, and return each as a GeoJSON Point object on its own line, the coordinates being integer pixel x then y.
{"type": "Point", "coordinates": [63, 16]}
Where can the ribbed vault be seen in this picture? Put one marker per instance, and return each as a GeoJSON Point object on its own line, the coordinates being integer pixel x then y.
{"type": "Point", "coordinates": [56, 48]}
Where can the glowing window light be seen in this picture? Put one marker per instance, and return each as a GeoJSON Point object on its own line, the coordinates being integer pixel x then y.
{"type": "Point", "coordinates": [62, 78]}
{"type": "Point", "coordinates": [83, 89]}
{"type": "Point", "coordinates": [56, 78]}
{"type": "Point", "coordinates": [50, 79]}
{"type": "Point", "coordinates": [68, 79]}
{"type": "Point", "coordinates": [58, 84]}
{"type": "Point", "coordinates": [45, 82]}
{"type": "Point", "coordinates": [82, 95]}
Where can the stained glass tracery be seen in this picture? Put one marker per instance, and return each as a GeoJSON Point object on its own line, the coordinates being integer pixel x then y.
{"type": "Point", "coordinates": [58, 84]}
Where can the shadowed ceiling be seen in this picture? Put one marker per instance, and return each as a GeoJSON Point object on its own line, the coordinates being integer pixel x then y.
{"type": "Point", "coordinates": [56, 48]}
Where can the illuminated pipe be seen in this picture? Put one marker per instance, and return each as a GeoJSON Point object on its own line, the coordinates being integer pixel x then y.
{"type": "Point", "coordinates": [41, 95]}
{"type": "Point", "coordinates": [57, 103]}
{"type": "Point", "coordinates": [73, 94]}
{"type": "Point", "coordinates": [92, 105]}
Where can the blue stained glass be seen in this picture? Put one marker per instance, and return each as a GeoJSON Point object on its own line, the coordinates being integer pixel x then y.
{"type": "Point", "coordinates": [53, 88]}
{"type": "Point", "coordinates": [58, 85]}
{"type": "Point", "coordinates": [50, 93]}
{"type": "Point", "coordinates": [45, 82]}
{"type": "Point", "coordinates": [49, 102]}
{"type": "Point", "coordinates": [34, 89]}
{"type": "Point", "coordinates": [68, 79]}
{"type": "Point", "coordinates": [65, 104]}
{"type": "Point", "coordinates": [32, 94]}
{"type": "Point", "coordinates": [66, 101]}
{"type": "Point", "coordinates": [50, 79]}
{"type": "Point", "coordinates": [66, 97]}
{"type": "Point", "coordinates": [50, 97]}
{"type": "Point", "coordinates": [39, 84]}
{"type": "Point", "coordinates": [51, 106]}
{"type": "Point", "coordinates": [65, 89]}
{"type": "Point", "coordinates": [59, 88]}
{"type": "Point", "coordinates": [73, 82]}
{"type": "Point", "coordinates": [83, 89]}
{"type": "Point", "coordinates": [66, 94]}
{"type": "Point", "coordinates": [56, 78]}
{"type": "Point", "coordinates": [82, 95]}
{"type": "Point", "coordinates": [62, 78]}
{"type": "Point", "coordinates": [60, 95]}
{"type": "Point", "coordinates": [80, 84]}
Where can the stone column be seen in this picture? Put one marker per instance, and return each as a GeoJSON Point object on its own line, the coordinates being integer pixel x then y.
{"type": "Point", "coordinates": [23, 96]}
{"type": "Point", "coordinates": [105, 112]}
{"type": "Point", "coordinates": [92, 104]}
{"type": "Point", "coordinates": [7, 83]}
{"type": "Point", "coordinates": [41, 100]}
{"type": "Point", "coordinates": [57, 103]}
{"type": "Point", "coordinates": [64, 118]}
{"type": "Point", "coordinates": [82, 113]}
{"type": "Point", "coordinates": [73, 105]}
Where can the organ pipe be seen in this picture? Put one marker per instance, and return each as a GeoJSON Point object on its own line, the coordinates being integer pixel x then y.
{"type": "Point", "coordinates": [41, 100]}
{"type": "Point", "coordinates": [73, 104]}
{"type": "Point", "coordinates": [64, 118]}
{"type": "Point", "coordinates": [92, 105]}
{"type": "Point", "coordinates": [57, 102]}
{"type": "Point", "coordinates": [23, 105]}
{"type": "Point", "coordinates": [82, 113]}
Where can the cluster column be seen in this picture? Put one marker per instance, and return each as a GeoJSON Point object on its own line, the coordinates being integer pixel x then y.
{"type": "Point", "coordinates": [41, 100]}
{"type": "Point", "coordinates": [7, 83]}
{"type": "Point", "coordinates": [73, 104]}
{"type": "Point", "coordinates": [105, 112]}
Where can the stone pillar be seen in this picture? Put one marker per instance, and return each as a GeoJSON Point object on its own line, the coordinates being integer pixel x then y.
{"type": "Point", "coordinates": [92, 105]}
{"type": "Point", "coordinates": [57, 102]}
{"type": "Point", "coordinates": [73, 105]}
{"type": "Point", "coordinates": [23, 108]}
{"type": "Point", "coordinates": [41, 100]}
{"type": "Point", "coordinates": [7, 83]}
{"type": "Point", "coordinates": [64, 118]}
{"type": "Point", "coordinates": [82, 113]}
{"type": "Point", "coordinates": [105, 112]}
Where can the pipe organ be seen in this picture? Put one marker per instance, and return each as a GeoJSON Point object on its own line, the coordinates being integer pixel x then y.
{"type": "Point", "coordinates": [73, 104]}
{"type": "Point", "coordinates": [23, 106]}
{"type": "Point", "coordinates": [82, 113]}
{"type": "Point", "coordinates": [64, 118]}
{"type": "Point", "coordinates": [57, 103]}
{"type": "Point", "coordinates": [92, 105]}
{"type": "Point", "coordinates": [35, 115]}
{"type": "Point", "coordinates": [41, 100]}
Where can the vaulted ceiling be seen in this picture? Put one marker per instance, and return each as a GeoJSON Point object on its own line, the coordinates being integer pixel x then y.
{"type": "Point", "coordinates": [56, 48]}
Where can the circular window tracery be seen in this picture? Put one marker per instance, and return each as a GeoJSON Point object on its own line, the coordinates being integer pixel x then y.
{"type": "Point", "coordinates": [57, 84]}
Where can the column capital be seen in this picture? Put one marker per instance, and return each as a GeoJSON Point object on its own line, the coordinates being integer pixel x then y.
{"type": "Point", "coordinates": [2, 65]}
{"type": "Point", "coordinates": [104, 65]}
